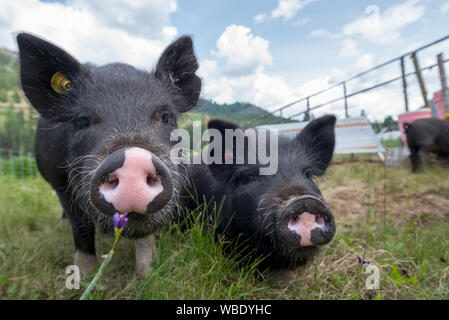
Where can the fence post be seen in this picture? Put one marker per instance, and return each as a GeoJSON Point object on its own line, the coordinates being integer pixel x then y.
{"type": "Point", "coordinates": [444, 92]}
{"type": "Point", "coordinates": [2, 161]}
{"type": "Point", "coordinates": [308, 109]}
{"type": "Point", "coordinates": [22, 174]}
{"type": "Point", "coordinates": [346, 100]}
{"type": "Point", "coordinates": [404, 83]}
{"type": "Point", "coordinates": [10, 160]}
{"type": "Point", "coordinates": [30, 165]}
{"type": "Point", "coordinates": [420, 80]}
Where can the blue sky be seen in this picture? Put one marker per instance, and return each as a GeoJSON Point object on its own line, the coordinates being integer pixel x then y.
{"type": "Point", "coordinates": [264, 52]}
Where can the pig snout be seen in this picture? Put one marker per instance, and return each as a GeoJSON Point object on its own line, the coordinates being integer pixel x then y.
{"type": "Point", "coordinates": [132, 180]}
{"type": "Point", "coordinates": [307, 221]}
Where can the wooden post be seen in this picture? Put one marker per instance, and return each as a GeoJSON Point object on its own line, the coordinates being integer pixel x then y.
{"type": "Point", "coordinates": [420, 80]}
{"type": "Point", "coordinates": [404, 84]}
{"type": "Point", "coordinates": [346, 100]}
{"type": "Point", "coordinates": [444, 92]}
{"type": "Point", "coordinates": [308, 109]}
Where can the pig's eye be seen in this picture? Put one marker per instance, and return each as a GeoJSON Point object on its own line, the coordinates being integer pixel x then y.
{"type": "Point", "coordinates": [246, 178]}
{"type": "Point", "coordinates": [168, 118]}
{"type": "Point", "coordinates": [308, 173]}
{"type": "Point", "coordinates": [81, 123]}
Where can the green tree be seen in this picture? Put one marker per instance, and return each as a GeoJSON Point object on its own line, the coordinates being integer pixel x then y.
{"type": "Point", "coordinates": [3, 95]}
{"type": "Point", "coordinates": [389, 122]}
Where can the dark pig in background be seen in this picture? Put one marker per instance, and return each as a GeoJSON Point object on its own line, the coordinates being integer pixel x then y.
{"type": "Point", "coordinates": [427, 135]}
{"type": "Point", "coordinates": [281, 217]}
{"type": "Point", "coordinates": [103, 139]}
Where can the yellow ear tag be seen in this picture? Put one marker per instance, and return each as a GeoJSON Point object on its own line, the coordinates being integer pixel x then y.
{"type": "Point", "coordinates": [60, 83]}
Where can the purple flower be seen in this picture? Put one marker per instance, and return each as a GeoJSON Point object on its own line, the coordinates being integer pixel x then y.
{"type": "Point", "coordinates": [120, 220]}
{"type": "Point", "coordinates": [362, 261]}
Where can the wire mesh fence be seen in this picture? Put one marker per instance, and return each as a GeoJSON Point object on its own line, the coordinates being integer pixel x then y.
{"type": "Point", "coordinates": [17, 164]}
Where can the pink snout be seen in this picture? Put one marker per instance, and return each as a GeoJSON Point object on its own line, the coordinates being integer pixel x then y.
{"type": "Point", "coordinates": [306, 221]}
{"type": "Point", "coordinates": [132, 180]}
{"type": "Point", "coordinates": [133, 186]}
{"type": "Point", "coordinates": [303, 226]}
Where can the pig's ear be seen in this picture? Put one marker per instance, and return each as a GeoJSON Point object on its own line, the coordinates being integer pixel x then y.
{"type": "Point", "coordinates": [176, 67]}
{"type": "Point", "coordinates": [317, 142]}
{"type": "Point", "coordinates": [221, 125]}
{"type": "Point", "coordinates": [48, 76]}
{"type": "Point", "coordinates": [223, 171]}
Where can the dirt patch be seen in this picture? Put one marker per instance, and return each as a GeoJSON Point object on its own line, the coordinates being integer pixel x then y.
{"type": "Point", "coordinates": [347, 200]}
{"type": "Point", "coordinates": [355, 199]}
{"type": "Point", "coordinates": [429, 204]}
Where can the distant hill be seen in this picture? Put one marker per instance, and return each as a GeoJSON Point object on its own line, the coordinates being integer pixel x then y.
{"type": "Point", "coordinates": [9, 87]}
{"type": "Point", "coordinates": [241, 113]}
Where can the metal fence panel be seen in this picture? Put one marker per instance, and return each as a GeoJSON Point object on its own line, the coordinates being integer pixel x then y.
{"type": "Point", "coordinates": [354, 135]}
{"type": "Point", "coordinates": [17, 164]}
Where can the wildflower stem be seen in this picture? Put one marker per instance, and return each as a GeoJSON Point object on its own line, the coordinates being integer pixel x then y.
{"type": "Point", "coordinates": [103, 265]}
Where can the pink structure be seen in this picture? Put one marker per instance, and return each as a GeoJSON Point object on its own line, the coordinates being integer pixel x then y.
{"type": "Point", "coordinates": [409, 117]}
{"type": "Point", "coordinates": [439, 104]}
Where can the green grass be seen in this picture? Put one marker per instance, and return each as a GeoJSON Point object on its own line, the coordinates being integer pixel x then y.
{"type": "Point", "coordinates": [392, 143]}
{"type": "Point", "coordinates": [396, 220]}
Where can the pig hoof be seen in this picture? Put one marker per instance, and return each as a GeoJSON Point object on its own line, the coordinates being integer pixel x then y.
{"type": "Point", "coordinates": [85, 262]}
{"type": "Point", "coordinates": [142, 273]}
{"type": "Point", "coordinates": [281, 277]}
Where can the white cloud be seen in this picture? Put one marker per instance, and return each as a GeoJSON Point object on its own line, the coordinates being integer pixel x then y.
{"type": "Point", "coordinates": [259, 18]}
{"type": "Point", "coordinates": [385, 28]}
{"type": "Point", "coordinates": [238, 46]}
{"type": "Point", "coordinates": [365, 62]}
{"type": "Point", "coordinates": [285, 10]}
{"type": "Point", "coordinates": [301, 22]}
{"type": "Point", "coordinates": [318, 33]}
{"type": "Point", "coordinates": [137, 17]}
{"type": "Point", "coordinates": [238, 73]}
{"type": "Point", "coordinates": [273, 91]}
{"type": "Point", "coordinates": [445, 7]}
{"type": "Point", "coordinates": [133, 31]}
{"type": "Point", "coordinates": [243, 52]}
{"type": "Point", "coordinates": [349, 49]}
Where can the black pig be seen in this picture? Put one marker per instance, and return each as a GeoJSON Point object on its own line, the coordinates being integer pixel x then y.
{"type": "Point", "coordinates": [282, 217]}
{"type": "Point", "coordinates": [427, 135]}
{"type": "Point", "coordinates": [103, 138]}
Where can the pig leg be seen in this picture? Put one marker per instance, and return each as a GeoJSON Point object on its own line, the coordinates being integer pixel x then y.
{"type": "Point", "coordinates": [281, 277]}
{"type": "Point", "coordinates": [145, 247]}
{"type": "Point", "coordinates": [83, 234]}
{"type": "Point", "coordinates": [416, 159]}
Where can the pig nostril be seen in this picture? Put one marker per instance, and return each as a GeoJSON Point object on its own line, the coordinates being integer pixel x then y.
{"type": "Point", "coordinates": [293, 221]}
{"type": "Point", "coordinates": [112, 183]}
{"type": "Point", "coordinates": [319, 220]}
{"type": "Point", "coordinates": [152, 180]}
